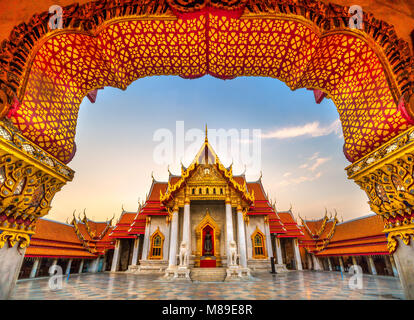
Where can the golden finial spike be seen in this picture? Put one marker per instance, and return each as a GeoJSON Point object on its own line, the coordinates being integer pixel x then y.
{"type": "Point", "coordinates": [206, 138]}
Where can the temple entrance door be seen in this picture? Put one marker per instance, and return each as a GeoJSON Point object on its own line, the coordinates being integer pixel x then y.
{"type": "Point", "coordinates": [208, 260]}
{"type": "Point", "coordinates": [208, 243]}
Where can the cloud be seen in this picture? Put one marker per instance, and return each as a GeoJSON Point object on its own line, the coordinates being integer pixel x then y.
{"type": "Point", "coordinates": [313, 163]}
{"type": "Point", "coordinates": [318, 162]}
{"type": "Point", "coordinates": [312, 129]}
{"type": "Point", "coordinates": [300, 179]}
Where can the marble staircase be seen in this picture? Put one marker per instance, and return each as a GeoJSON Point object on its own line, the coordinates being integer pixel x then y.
{"type": "Point", "coordinates": [208, 274]}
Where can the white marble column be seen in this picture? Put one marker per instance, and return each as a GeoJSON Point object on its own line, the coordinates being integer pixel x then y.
{"type": "Point", "coordinates": [68, 266]}
{"type": "Point", "coordinates": [268, 238]}
{"type": "Point", "coordinates": [147, 235]}
{"type": "Point", "coordinates": [241, 234]}
{"type": "Point", "coordinates": [310, 263]}
{"type": "Point", "coordinates": [316, 263]}
{"type": "Point", "coordinates": [55, 261]}
{"type": "Point", "coordinates": [394, 267]}
{"type": "Point", "coordinates": [95, 265]}
{"type": "Point", "coordinates": [11, 260]}
{"type": "Point", "coordinates": [135, 252]}
{"type": "Point", "coordinates": [187, 225]}
{"type": "Point", "coordinates": [81, 266]}
{"type": "Point", "coordinates": [341, 264]}
{"type": "Point", "coordinates": [354, 262]}
{"type": "Point", "coordinates": [34, 268]}
{"type": "Point", "coordinates": [172, 259]}
{"type": "Point", "coordinates": [115, 258]}
{"type": "Point", "coordinates": [297, 254]}
{"type": "Point", "coordinates": [278, 251]}
{"type": "Point", "coordinates": [330, 264]}
{"type": "Point", "coordinates": [229, 229]}
{"type": "Point", "coordinates": [372, 265]}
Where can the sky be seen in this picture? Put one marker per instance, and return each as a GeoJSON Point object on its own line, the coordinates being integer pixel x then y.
{"type": "Point", "coordinates": [120, 135]}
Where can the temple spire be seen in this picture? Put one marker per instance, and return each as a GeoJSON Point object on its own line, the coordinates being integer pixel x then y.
{"type": "Point", "coordinates": [206, 138]}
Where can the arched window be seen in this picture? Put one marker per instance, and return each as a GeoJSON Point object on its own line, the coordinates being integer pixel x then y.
{"type": "Point", "coordinates": [258, 244]}
{"type": "Point", "coordinates": [157, 241]}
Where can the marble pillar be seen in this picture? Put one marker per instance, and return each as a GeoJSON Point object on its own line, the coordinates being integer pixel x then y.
{"type": "Point", "coordinates": [268, 239]}
{"type": "Point", "coordinates": [241, 234]}
{"type": "Point", "coordinates": [341, 264]}
{"type": "Point", "coordinates": [68, 266]}
{"type": "Point", "coordinates": [372, 265]}
{"type": "Point", "coordinates": [278, 251]}
{"type": "Point", "coordinates": [81, 266]}
{"type": "Point", "coordinates": [187, 226]}
{"type": "Point", "coordinates": [11, 259]}
{"type": "Point", "coordinates": [394, 267]}
{"type": "Point", "coordinates": [147, 235]}
{"type": "Point", "coordinates": [115, 258]}
{"type": "Point", "coordinates": [135, 252]}
{"type": "Point", "coordinates": [330, 264]}
{"type": "Point", "coordinates": [229, 229]}
{"type": "Point", "coordinates": [172, 261]}
{"type": "Point", "coordinates": [297, 254]}
{"type": "Point", "coordinates": [35, 266]}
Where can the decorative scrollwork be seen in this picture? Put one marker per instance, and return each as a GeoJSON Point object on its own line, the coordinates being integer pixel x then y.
{"type": "Point", "coordinates": [404, 234]}
{"type": "Point", "coordinates": [12, 237]}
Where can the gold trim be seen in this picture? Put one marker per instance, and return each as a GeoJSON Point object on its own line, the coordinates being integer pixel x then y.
{"type": "Point", "coordinates": [264, 255]}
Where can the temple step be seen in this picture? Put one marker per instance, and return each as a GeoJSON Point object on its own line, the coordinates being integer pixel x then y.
{"type": "Point", "coordinates": [208, 274]}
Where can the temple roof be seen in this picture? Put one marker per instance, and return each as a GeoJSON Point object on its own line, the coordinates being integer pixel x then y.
{"type": "Point", "coordinates": [361, 236]}
{"type": "Point", "coordinates": [56, 239]}
{"type": "Point", "coordinates": [289, 223]}
{"type": "Point", "coordinates": [123, 226]}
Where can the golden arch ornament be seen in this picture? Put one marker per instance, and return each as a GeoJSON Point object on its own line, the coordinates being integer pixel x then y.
{"type": "Point", "coordinates": [207, 221]}
{"type": "Point", "coordinates": [222, 38]}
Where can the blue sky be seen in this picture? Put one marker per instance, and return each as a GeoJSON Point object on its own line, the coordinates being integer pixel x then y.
{"type": "Point", "coordinates": [302, 159]}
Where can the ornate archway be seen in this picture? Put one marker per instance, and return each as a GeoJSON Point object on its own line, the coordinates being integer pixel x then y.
{"type": "Point", "coordinates": [45, 74]}
{"type": "Point", "coordinates": [207, 223]}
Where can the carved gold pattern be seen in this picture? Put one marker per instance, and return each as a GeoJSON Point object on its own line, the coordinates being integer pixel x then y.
{"type": "Point", "coordinates": [387, 177]}
{"type": "Point", "coordinates": [405, 234]}
{"type": "Point", "coordinates": [29, 179]}
{"type": "Point", "coordinates": [12, 237]}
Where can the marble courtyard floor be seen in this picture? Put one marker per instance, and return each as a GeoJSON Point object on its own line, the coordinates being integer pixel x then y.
{"type": "Point", "coordinates": [309, 285]}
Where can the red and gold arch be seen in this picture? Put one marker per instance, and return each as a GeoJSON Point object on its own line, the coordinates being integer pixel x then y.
{"type": "Point", "coordinates": [306, 44]}
{"type": "Point", "coordinates": [45, 74]}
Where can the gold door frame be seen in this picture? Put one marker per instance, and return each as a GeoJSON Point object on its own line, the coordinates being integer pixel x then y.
{"type": "Point", "coordinates": [207, 221]}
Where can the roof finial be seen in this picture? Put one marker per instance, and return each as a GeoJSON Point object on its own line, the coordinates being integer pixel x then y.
{"type": "Point", "coordinates": [206, 138]}
{"type": "Point", "coordinates": [168, 169]}
{"type": "Point", "coordinates": [290, 209]}
{"type": "Point", "coordinates": [123, 210]}
{"type": "Point", "coordinates": [152, 176]}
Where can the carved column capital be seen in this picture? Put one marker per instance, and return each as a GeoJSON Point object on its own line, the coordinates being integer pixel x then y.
{"type": "Point", "coordinates": [386, 175]}
{"type": "Point", "coordinates": [29, 179]}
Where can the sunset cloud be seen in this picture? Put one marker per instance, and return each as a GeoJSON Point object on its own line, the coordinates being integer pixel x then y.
{"type": "Point", "coordinates": [312, 129]}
